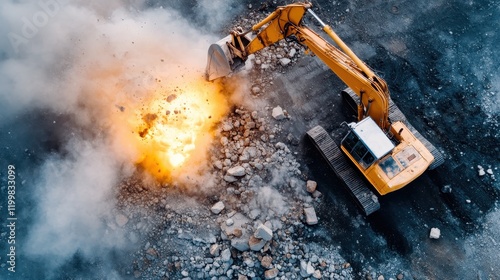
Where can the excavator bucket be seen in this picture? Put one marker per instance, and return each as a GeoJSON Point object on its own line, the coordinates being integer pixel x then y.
{"type": "Point", "coordinates": [219, 60]}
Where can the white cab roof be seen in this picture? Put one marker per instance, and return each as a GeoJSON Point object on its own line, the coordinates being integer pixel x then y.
{"type": "Point", "coordinates": [373, 137]}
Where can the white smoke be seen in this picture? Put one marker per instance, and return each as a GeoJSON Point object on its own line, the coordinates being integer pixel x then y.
{"type": "Point", "coordinates": [89, 60]}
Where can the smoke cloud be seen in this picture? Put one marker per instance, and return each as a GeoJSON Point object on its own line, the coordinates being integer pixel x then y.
{"type": "Point", "coordinates": [95, 62]}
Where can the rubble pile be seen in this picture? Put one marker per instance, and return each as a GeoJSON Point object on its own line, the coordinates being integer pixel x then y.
{"type": "Point", "coordinates": [258, 225]}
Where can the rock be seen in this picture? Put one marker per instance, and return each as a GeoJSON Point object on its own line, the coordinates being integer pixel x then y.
{"type": "Point", "coordinates": [230, 179]}
{"type": "Point", "coordinates": [185, 273]}
{"type": "Point", "coordinates": [317, 274]}
{"type": "Point", "coordinates": [241, 244]}
{"type": "Point", "coordinates": [218, 207]}
{"type": "Point", "coordinates": [481, 172]}
{"type": "Point", "coordinates": [285, 61]}
{"type": "Point", "coordinates": [121, 220]}
{"type": "Point", "coordinates": [316, 194]}
{"type": "Point", "coordinates": [236, 171]}
{"type": "Point", "coordinates": [311, 186]}
{"type": "Point", "coordinates": [278, 113]}
{"type": "Point", "coordinates": [218, 165]}
{"type": "Point", "coordinates": [435, 233]}
{"type": "Point", "coordinates": [489, 171]}
{"type": "Point", "coordinates": [311, 218]}
{"type": "Point", "coordinates": [271, 273]}
{"type": "Point", "coordinates": [292, 52]}
{"type": "Point", "coordinates": [446, 189]}
{"type": "Point", "coordinates": [256, 90]}
{"type": "Point", "coordinates": [242, 277]}
{"type": "Point", "coordinates": [263, 232]}
{"type": "Point", "coordinates": [226, 255]}
{"type": "Point", "coordinates": [266, 261]}
{"type": "Point", "coordinates": [255, 243]}
{"type": "Point", "coordinates": [306, 269]}
{"type": "Point", "coordinates": [400, 276]}
{"type": "Point", "coordinates": [227, 126]}
{"type": "Point", "coordinates": [215, 250]}
{"type": "Point", "coordinates": [229, 222]}
{"type": "Point", "coordinates": [381, 277]}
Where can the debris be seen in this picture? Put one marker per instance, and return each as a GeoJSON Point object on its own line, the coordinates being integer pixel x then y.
{"type": "Point", "coordinates": [121, 220]}
{"type": "Point", "coordinates": [435, 233]}
{"type": "Point", "coordinates": [236, 171]}
{"type": "Point", "coordinates": [215, 250]}
{"type": "Point", "coordinates": [306, 269]}
{"type": "Point", "coordinates": [317, 274]}
{"type": "Point", "coordinates": [446, 189]}
{"type": "Point", "coordinates": [241, 244]}
{"type": "Point", "coordinates": [218, 207]}
{"type": "Point", "coordinates": [311, 218]}
{"type": "Point", "coordinates": [266, 261]}
{"type": "Point", "coordinates": [285, 61]}
{"type": "Point", "coordinates": [225, 255]}
{"type": "Point", "coordinates": [271, 273]}
{"type": "Point", "coordinates": [311, 186]}
{"type": "Point", "coordinates": [256, 90]}
{"type": "Point", "coordinates": [278, 113]}
{"type": "Point", "coordinates": [256, 244]}
{"type": "Point", "coordinates": [263, 232]}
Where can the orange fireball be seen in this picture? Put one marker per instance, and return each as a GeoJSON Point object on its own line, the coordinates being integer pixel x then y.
{"type": "Point", "coordinates": [175, 127]}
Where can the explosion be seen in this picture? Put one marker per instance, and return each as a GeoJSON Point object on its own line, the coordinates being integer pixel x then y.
{"type": "Point", "coordinates": [176, 125]}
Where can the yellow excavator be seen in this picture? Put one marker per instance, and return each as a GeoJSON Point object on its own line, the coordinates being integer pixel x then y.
{"type": "Point", "coordinates": [382, 144]}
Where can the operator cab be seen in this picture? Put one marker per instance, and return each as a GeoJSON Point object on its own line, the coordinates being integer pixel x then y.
{"type": "Point", "coordinates": [366, 142]}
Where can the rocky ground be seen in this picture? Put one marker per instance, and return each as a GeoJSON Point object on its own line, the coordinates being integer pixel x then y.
{"type": "Point", "coordinates": [272, 209]}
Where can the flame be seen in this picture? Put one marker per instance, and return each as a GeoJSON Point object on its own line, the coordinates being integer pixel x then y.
{"type": "Point", "coordinates": [175, 127]}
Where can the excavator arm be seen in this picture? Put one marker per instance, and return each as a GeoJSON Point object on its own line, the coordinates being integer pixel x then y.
{"type": "Point", "coordinates": [285, 22]}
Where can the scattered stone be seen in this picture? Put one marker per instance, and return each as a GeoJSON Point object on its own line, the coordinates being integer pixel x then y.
{"type": "Point", "coordinates": [230, 179]}
{"type": "Point", "coordinates": [215, 250]}
{"type": "Point", "coordinates": [317, 274]}
{"type": "Point", "coordinates": [400, 276]}
{"type": "Point", "coordinates": [263, 232]}
{"type": "Point", "coordinates": [446, 189]}
{"type": "Point", "coordinates": [218, 207]}
{"type": "Point", "coordinates": [271, 273]}
{"type": "Point", "coordinates": [316, 194]}
{"type": "Point", "coordinates": [229, 222]}
{"type": "Point", "coordinates": [381, 277]}
{"type": "Point", "coordinates": [285, 61]}
{"type": "Point", "coordinates": [241, 244]}
{"type": "Point", "coordinates": [121, 220]}
{"type": "Point", "coordinates": [278, 113]}
{"type": "Point", "coordinates": [225, 255]}
{"type": "Point", "coordinates": [435, 233]}
{"type": "Point", "coordinates": [292, 52]}
{"type": "Point", "coordinates": [255, 243]}
{"type": "Point", "coordinates": [266, 261]}
{"type": "Point", "coordinates": [311, 186]}
{"type": "Point", "coordinates": [236, 171]}
{"type": "Point", "coordinates": [489, 171]}
{"type": "Point", "coordinates": [256, 90]}
{"type": "Point", "coordinates": [311, 218]}
{"type": "Point", "coordinates": [306, 269]}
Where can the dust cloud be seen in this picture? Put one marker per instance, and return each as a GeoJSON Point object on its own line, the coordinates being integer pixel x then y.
{"type": "Point", "coordinates": [94, 62]}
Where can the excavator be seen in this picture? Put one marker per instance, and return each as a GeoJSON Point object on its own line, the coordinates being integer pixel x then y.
{"type": "Point", "coordinates": [382, 144]}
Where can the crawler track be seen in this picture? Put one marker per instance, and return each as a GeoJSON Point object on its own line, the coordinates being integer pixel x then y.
{"type": "Point", "coordinates": [358, 187]}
